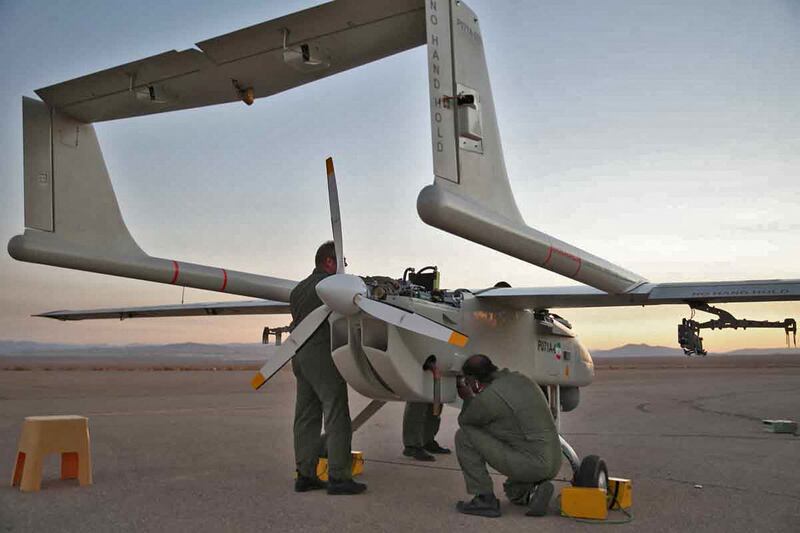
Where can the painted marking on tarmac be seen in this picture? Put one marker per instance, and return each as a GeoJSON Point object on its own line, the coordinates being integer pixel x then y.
{"type": "Point", "coordinates": [187, 410]}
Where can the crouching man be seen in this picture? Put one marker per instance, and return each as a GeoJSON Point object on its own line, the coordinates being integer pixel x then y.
{"type": "Point", "coordinates": [505, 422]}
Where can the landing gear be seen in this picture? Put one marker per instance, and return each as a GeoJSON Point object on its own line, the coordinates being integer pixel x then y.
{"type": "Point", "coordinates": [570, 455]}
{"type": "Point", "coordinates": [553, 393]}
{"type": "Point", "coordinates": [592, 472]}
{"type": "Point", "coordinates": [589, 472]}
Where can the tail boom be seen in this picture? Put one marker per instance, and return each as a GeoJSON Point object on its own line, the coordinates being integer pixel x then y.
{"type": "Point", "coordinates": [448, 211]}
{"type": "Point", "coordinates": [37, 247]}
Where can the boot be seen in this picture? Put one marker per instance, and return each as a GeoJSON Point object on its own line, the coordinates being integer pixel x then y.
{"type": "Point", "coordinates": [481, 505]}
{"type": "Point", "coordinates": [434, 447]}
{"type": "Point", "coordinates": [345, 486]}
{"type": "Point", "coordinates": [418, 453]}
{"type": "Point", "coordinates": [305, 484]}
{"type": "Point", "coordinates": [540, 499]}
{"type": "Point", "coordinates": [519, 492]}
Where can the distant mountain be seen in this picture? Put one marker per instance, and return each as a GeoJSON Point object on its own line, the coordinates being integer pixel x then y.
{"type": "Point", "coordinates": [638, 350]}
{"type": "Point", "coordinates": [19, 347]}
{"type": "Point", "coordinates": [244, 351]}
{"type": "Point", "coordinates": [645, 350]}
{"type": "Point", "coordinates": [765, 351]}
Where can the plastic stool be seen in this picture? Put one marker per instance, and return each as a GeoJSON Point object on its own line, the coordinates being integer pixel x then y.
{"type": "Point", "coordinates": [41, 435]}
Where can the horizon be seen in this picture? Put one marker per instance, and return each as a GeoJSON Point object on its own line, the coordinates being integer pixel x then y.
{"type": "Point", "coordinates": [74, 346]}
{"type": "Point", "coordinates": [640, 122]}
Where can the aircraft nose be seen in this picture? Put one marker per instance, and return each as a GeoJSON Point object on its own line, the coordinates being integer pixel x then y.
{"type": "Point", "coordinates": [586, 361]}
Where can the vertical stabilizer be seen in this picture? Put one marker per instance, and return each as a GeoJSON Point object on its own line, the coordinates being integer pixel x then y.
{"type": "Point", "coordinates": [73, 220]}
{"type": "Point", "coordinates": [467, 154]}
{"type": "Point", "coordinates": [38, 164]}
{"type": "Point", "coordinates": [471, 196]}
{"type": "Point", "coordinates": [68, 192]}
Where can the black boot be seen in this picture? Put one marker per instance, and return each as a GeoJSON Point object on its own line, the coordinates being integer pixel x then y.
{"type": "Point", "coordinates": [540, 499]}
{"type": "Point", "coordinates": [345, 486]}
{"type": "Point", "coordinates": [418, 453]}
{"type": "Point", "coordinates": [481, 505]}
{"type": "Point", "coordinates": [305, 484]}
{"type": "Point", "coordinates": [434, 447]}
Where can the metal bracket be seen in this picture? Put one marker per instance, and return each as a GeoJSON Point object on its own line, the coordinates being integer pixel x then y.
{"type": "Point", "coordinates": [689, 329]}
{"type": "Point", "coordinates": [276, 332]}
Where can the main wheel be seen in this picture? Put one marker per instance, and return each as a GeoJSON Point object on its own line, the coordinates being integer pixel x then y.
{"type": "Point", "coordinates": [592, 473]}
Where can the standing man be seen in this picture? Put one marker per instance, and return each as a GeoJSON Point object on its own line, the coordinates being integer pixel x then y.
{"type": "Point", "coordinates": [420, 426]}
{"type": "Point", "coordinates": [321, 393]}
{"type": "Point", "coordinates": [505, 422]}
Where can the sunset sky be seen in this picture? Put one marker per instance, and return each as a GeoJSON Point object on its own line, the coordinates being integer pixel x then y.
{"type": "Point", "coordinates": [662, 136]}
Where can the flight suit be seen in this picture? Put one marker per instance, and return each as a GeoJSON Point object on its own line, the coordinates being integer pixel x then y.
{"type": "Point", "coordinates": [321, 392]}
{"type": "Point", "coordinates": [420, 425]}
{"type": "Point", "coordinates": [509, 426]}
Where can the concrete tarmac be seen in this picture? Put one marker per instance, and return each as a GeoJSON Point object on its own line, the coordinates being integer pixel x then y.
{"type": "Point", "coordinates": [199, 451]}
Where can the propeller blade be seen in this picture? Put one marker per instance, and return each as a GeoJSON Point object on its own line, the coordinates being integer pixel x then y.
{"type": "Point", "coordinates": [336, 218]}
{"type": "Point", "coordinates": [411, 321]}
{"type": "Point", "coordinates": [290, 346]}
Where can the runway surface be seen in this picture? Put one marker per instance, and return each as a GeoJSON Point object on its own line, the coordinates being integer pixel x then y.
{"type": "Point", "coordinates": [199, 451]}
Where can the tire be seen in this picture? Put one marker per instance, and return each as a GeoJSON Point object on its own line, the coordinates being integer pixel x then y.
{"type": "Point", "coordinates": [591, 473]}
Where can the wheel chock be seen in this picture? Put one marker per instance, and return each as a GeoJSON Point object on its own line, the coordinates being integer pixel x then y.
{"type": "Point", "coordinates": [584, 502]}
{"type": "Point", "coordinates": [357, 469]}
{"type": "Point", "coordinates": [620, 493]}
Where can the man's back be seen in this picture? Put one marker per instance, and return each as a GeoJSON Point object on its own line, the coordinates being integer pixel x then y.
{"type": "Point", "coordinates": [302, 301]}
{"type": "Point", "coordinates": [321, 393]}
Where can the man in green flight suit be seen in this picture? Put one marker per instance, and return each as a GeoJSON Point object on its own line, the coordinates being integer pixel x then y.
{"type": "Point", "coordinates": [321, 393]}
{"type": "Point", "coordinates": [505, 422]}
{"type": "Point", "coordinates": [420, 426]}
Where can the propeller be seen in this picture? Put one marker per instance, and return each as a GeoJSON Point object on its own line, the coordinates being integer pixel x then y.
{"type": "Point", "coordinates": [290, 346]}
{"type": "Point", "coordinates": [336, 217]}
{"type": "Point", "coordinates": [348, 295]}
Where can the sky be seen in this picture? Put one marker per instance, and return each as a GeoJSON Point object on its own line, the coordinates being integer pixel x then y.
{"type": "Point", "coordinates": [662, 136]}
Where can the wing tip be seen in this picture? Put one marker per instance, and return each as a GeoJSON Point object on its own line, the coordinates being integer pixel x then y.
{"type": "Point", "coordinates": [329, 166]}
{"type": "Point", "coordinates": [54, 315]}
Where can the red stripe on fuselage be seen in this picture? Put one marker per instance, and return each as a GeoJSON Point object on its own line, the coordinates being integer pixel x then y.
{"type": "Point", "coordinates": [224, 280]}
{"type": "Point", "coordinates": [549, 255]}
{"type": "Point", "coordinates": [567, 255]}
{"type": "Point", "coordinates": [175, 271]}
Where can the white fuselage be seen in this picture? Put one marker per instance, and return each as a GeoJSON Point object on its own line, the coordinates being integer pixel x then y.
{"type": "Point", "coordinates": [384, 362]}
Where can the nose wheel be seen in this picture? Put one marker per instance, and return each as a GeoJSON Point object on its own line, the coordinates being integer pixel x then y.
{"type": "Point", "coordinates": [584, 502]}
{"type": "Point", "coordinates": [592, 472]}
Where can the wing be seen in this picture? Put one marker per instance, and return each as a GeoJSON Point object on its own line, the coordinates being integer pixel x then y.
{"type": "Point", "coordinates": [321, 41]}
{"type": "Point", "coordinates": [647, 294]}
{"type": "Point", "coordinates": [252, 307]}
{"type": "Point", "coordinates": [72, 217]}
